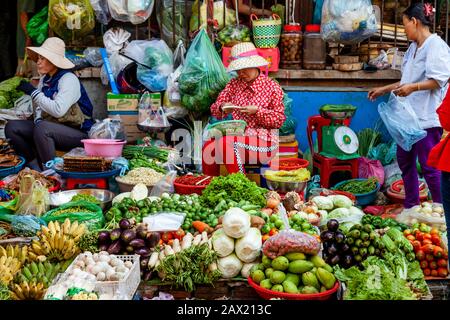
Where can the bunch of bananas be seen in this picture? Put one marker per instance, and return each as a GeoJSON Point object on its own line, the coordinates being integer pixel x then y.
{"type": "Point", "coordinates": [57, 242]}
{"type": "Point", "coordinates": [20, 253]}
{"type": "Point", "coordinates": [9, 266]}
{"type": "Point", "coordinates": [27, 291]}
{"type": "Point", "coordinates": [41, 272]}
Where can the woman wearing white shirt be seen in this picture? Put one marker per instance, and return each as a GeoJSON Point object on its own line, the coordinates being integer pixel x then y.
{"type": "Point", "coordinates": [62, 110]}
{"type": "Point", "coordinates": [425, 73]}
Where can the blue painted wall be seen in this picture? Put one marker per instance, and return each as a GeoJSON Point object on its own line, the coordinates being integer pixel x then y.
{"type": "Point", "coordinates": [307, 103]}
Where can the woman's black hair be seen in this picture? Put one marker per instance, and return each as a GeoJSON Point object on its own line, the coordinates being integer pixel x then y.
{"type": "Point", "coordinates": [423, 12]}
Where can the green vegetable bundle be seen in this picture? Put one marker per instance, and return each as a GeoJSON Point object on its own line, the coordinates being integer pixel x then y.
{"type": "Point", "coordinates": [359, 186]}
{"type": "Point", "coordinates": [129, 152]}
{"type": "Point", "coordinates": [381, 223]}
{"type": "Point", "coordinates": [141, 161]}
{"type": "Point", "coordinates": [8, 92]}
{"type": "Point", "coordinates": [368, 138]}
{"type": "Point", "coordinates": [234, 187]}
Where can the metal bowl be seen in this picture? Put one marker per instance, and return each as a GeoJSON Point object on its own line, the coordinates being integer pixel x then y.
{"type": "Point", "coordinates": [128, 187]}
{"type": "Point", "coordinates": [284, 187]}
{"type": "Point", "coordinates": [104, 196]}
{"type": "Point", "coordinates": [337, 115]}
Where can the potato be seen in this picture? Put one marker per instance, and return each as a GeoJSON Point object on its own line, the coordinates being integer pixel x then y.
{"type": "Point", "coordinates": [257, 222]}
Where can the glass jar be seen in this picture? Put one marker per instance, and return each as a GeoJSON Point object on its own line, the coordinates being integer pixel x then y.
{"type": "Point", "coordinates": [291, 47]}
{"type": "Point", "coordinates": [314, 48]}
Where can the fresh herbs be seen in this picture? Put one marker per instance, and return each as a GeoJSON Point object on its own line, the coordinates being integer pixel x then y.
{"type": "Point", "coordinates": [130, 151]}
{"type": "Point", "coordinates": [234, 187]}
{"type": "Point", "coordinates": [89, 242]}
{"type": "Point", "coordinates": [359, 186]}
{"type": "Point", "coordinates": [142, 161]}
{"type": "Point", "coordinates": [368, 138]}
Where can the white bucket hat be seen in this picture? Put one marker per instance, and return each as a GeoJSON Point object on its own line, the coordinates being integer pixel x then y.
{"type": "Point", "coordinates": [54, 50]}
{"type": "Point", "coordinates": [244, 55]}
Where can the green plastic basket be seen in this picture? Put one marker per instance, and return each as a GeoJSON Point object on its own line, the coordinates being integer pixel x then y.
{"type": "Point", "coordinates": [266, 32]}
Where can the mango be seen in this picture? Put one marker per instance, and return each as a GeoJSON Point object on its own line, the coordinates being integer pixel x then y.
{"type": "Point", "coordinates": [266, 284]}
{"type": "Point", "coordinates": [317, 261]}
{"type": "Point", "coordinates": [300, 266]}
{"type": "Point", "coordinates": [277, 277]}
{"type": "Point", "coordinates": [258, 276]}
{"type": "Point", "coordinates": [278, 288]}
{"type": "Point", "coordinates": [309, 290]}
{"type": "Point", "coordinates": [309, 279]}
{"type": "Point", "coordinates": [289, 287]}
{"type": "Point", "coordinates": [268, 272]}
{"type": "Point", "coordinates": [266, 261]}
{"type": "Point", "coordinates": [326, 278]}
{"type": "Point", "coordinates": [280, 263]}
{"type": "Point", "coordinates": [294, 278]}
{"type": "Point", "coordinates": [328, 268]}
{"type": "Point", "coordinates": [295, 256]}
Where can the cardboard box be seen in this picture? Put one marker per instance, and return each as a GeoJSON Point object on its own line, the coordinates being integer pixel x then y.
{"type": "Point", "coordinates": [122, 102]}
{"type": "Point", "coordinates": [272, 55]}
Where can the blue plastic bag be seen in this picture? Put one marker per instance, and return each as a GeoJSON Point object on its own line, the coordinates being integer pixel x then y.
{"type": "Point", "coordinates": [401, 122]}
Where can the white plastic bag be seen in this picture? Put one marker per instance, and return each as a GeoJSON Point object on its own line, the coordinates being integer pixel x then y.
{"type": "Point", "coordinates": [165, 221]}
{"type": "Point", "coordinates": [118, 10]}
{"type": "Point", "coordinates": [165, 185]}
{"type": "Point", "coordinates": [101, 11]}
{"type": "Point", "coordinates": [136, 49]}
{"type": "Point", "coordinates": [115, 39]}
{"type": "Point", "coordinates": [109, 128]}
{"type": "Point", "coordinates": [93, 56]}
{"type": "Point", "coordinates": [139, 10]}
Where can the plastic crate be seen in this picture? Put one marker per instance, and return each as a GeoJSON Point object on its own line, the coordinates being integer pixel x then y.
{"type": "Point", "coordinates": [120, 290]}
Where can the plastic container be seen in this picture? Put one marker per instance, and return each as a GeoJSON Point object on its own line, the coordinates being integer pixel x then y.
{"type": "Point", "coordinates": [269, 294]}
{"type": "Point", "coordinates": [12, 170]}
{"type": "Point", "coordinates": [288, 164]}
{"type": "Point", "coordinates": [103, 147]}
{"type": "Point", "coordinates": [127, 187]}
{"type": "Point", "coordinates": [362, 199]}
{"type": "Point", "coordinates": [291, 44]}
{"type": "Point", "coordinates": [314, 48]}
{"type": "Point", "coordinates": [396, 192]}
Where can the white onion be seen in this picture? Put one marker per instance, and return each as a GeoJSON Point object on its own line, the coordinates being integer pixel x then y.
{"type": "Point", "coordinates": [95, 256]}
{"type": "Point", "coordinates": [128, 264]}
{"type": "Point", "coordinates": [110, 273]}
{"type": "Point", "coordinates": [104, 258]}
{"type": "Point", "coordinates": [96, 269]}
{"type": "Point", "coordinates": [101, 276]}
{"type": "Point", "coordinates": [103, 253]}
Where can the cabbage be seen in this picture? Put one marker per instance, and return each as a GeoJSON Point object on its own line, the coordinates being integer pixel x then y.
{"type": "Point", "coordinates": [323, 203]}
{"type": "Point", "coordinates": [341, 201]}
{"type": "Point", "coordinates": [339, 213]}
{"type": "Point", "coordinates": [236, 223]}
{"type": "Point", "coordinates": [356, 211]}
{"type": "Point", "coordinates": [245, 272]}
{"type": "Point", "coordinates": [248, 248]}
{"type": "Point", "coordinates": [349, 217]}
{"type": "Point", "coordinates": [223, 245]}
{"type": "Point", "coordinates": [229, 266]}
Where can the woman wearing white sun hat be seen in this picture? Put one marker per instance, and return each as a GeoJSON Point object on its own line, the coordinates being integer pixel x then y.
{"type": "Point", "coordinates": [62, 111]}
{"type": "Point", "coordinates": [254, 98]}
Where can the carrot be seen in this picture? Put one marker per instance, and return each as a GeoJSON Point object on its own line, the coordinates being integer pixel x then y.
{"type": "Point", "coordinates": [201, 226]}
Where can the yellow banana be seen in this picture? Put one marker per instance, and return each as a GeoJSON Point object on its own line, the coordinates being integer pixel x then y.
{"type": "Point", "coordinates": [24, 254]}
{"type": "Point", "coordinates": [51, 227]}
{"type": "Point", "coordinates": [19, 292]}
{"type": "Point", "coordinates": [73, 227]}
{"type": "Point", "coordinates": [10, 250]}
{"type": "Point", "coordinates": [13, 295]}
{"type": "Point", "coordinates": [37, 248]}
{"type": "Point", "coordinates": [57, 226]}
{"type": "Point", "coordinates": [66, 226]}
{"type": "Point", "coordinates": [32, 256]}
{"type": "Point", "coordinates": [46, 231]}
{"type": "Point", "coordinates": [3, 251]}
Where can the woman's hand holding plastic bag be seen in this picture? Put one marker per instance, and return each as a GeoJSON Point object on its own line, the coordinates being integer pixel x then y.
{"type": "Point", "coordinates": [401, 122]}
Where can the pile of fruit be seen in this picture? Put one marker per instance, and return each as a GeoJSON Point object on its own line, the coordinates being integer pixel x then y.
{"type": "Point", "coordinates": [296, 222]}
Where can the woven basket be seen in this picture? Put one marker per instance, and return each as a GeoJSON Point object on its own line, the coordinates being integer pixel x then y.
{"type": "Point", "coordinates": [266, 32]}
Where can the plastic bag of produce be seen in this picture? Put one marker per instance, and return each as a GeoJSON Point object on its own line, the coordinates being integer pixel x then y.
{"type": "Point", "coordinates": [223, 245]}
{"type": "Point", "coordinates": [323, 203]}
{"type": "Point", "coordinates": [93, 56]}
{"type": "Point", "coordinates": [139, 10]}
{"type": "Point", "coordinates": [37, 27]}
{"type": "Point", "coordinates": [71, 19]}
{"type": "Point", "coordinates": [165, 185]}
{"type": "Point", "coordinates": [166, 19]}
{"type": "Point", "coordinates": [203, 75]}
{"type": "Point", "coordinates": [34, 198]}
{"type": "Point", "coordinates": [248, 248]}
{"type": "Point", "coordinates": [109, 128]}
{"type": "Point", "coordinates": [101, 11]}
{"type": "Point", "coordinates": [229, 266]}
{"type": "Point", "coordinates": [346, 216]}
{"type": "Point", "coordinates": [290, 124]}
{"type": "Point", "coordinates": [236, 223]}
{"type": "Point", "coordinates": [401, 121]}
{"type": "Point", "coordinates": [115, 39]}
{"type": "Point", "coordinates": [158, 61]}
{"type": "Point", "coordinates": [118, 10]}
{"type": "Point", "coordinates": [233, 34]}
{"type": "Point", "coordinates": [290, 241]}
{"type": "Point", "coordinates": [218, 10]}
{"type": "Point", "coordinates": [81, 211]}
{"type": "Point", "coordinates": [136, 49]}
{"type": "Point", "coordinates": [348, 21]}
{"type": "Point", "coordinates": [431, 214]}
{"type": "Point", "coordinates": [370, 168]}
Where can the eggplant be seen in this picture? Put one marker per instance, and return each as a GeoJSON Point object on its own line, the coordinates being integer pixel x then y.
{"type": "Point", "coordinates": [137, 243]}
{"type": "Point", "coordinates": [335, 260]}
{"type": "Point", "coordinates": [104, 237]}
{"type": "Point", "coordinates": [348, 261]}
{"type": "Point", "coordinates": [345, 248]}
{"type": "Point", "coordinates": [115, 234]}
{"type": "Point", "coordinates": [141, 231]}
{"type": "Point", "coordinates": [332, 225]}
{"type": "Point", "coordinates": [152, 239]}
{"type": "Point", "coordinates": [115, 247]}
{"type": "Point", "coordinates": [143, 252]}
{"type": "Point", "coordinates": [327, 236]}
{"type": "Point", "coordinates": [339, 237]}
{"type": "Point", "coordinates": [325, 255]}
{"type": "Point", "coordinates": [147, 275]}
{"type": "Point", "coordinates": [124, 224]}
{"type": "Point", "coordinates": [144, 263]}
{"type": "Point", "coordinates": [332, 250]}
{"type": "Point", "coordinates": [129, 249]}
{"type": "Point", "coordinates": [103, 247]}
{"type": "Point", "coordinates": [128, 235]}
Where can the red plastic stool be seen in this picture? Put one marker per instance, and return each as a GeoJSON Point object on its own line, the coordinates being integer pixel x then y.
{"type": "Point", "coordinates": [74, 183]}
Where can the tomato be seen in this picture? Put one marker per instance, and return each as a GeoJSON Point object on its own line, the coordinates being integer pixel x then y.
{"type": "Point", "coordinates": [428, 248]}
{"type": "Point", "coordinates": [170, 242]}
{"type": "Point", "coordinates": [420, 255]}
{"type": "Point", "coordinates": [179, 234]}
{"type": "Point", "coordinates": [434, 273]}
{"type": "Point", "coordinates": [429, 257]}
{"type": "Point", "coordinates": [442, 263]}
{"type": "Point", "coordinates": [426, 236]}
{"type": "Point", "coordinates": [438, 252]}
{"type": "Point", "coordinates": [265, 237]}
{"type": "Point", "coordinates": [426, 272]}
{"type": "Point", "coordinates": [407, 232]}
{"type": "Point", "coordinates": [427, 241]}
{"type": "Point", "coordinates": [436, 239]}
{"type": "Point", "coordinates": [424, 264]}
{"type": "Point", "coordinates": [167, 236]}
{"type": "Point", "coordinates": [445, 256]}
{"type": "Point", "coordinates": [273, 231]}
{"type": "Point", "coordinates": [442, 272]}
{"type": "Point", "coordinates": [433, 265]}
{"type": "Point", "coordinates": [419, 235]}
{"type": "Point", "coordinates": [416, 245]}
{"type": "Point", "coordinates": [410, 237]}
{"type": "Point", "coordinates": [161, 242]}
{"type": "Point", "coordinates": [434, 231]}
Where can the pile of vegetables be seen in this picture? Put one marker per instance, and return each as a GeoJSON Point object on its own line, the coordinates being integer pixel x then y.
{"type": "Point", "coordinates": [193, 180]}
{"type": "Point", "coordinates": [364, 242]}
{"type": "Point", "coordinates": [147, 176]}
{"type": "Point", "coordinates": [130, 151]}
{"type": "Point", "coordinates": [234, 187]}
{"type": "Point", "coordinates": [335, 249]}
{"type": "Point", "coordinates": [232, 34]}
{"type": "Point", "coordinates": [142, 161]}
{"type": "Point", "coordinates": [296, 222]}
{"type": "Point", "coordinates": [359, 186]}
{"type": "Point", "coordinates": [128, 208]}
{"type": "Point", "coordinates": [381, 223]}
{"type": "Point", "coordinates": [8, 92]}
{"type": "Point", "coordinates": [430, 213]}
{"type": "Point", "coordinates": [297, 175]}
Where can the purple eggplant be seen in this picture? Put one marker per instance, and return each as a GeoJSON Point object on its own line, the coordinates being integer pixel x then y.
{"type": "Point", "coordinates": [152, 239]}
{"type": "Point", "coordinates": [103, 247]}
{"type": "Point", "coordinates": [128, 235]}
{"type": "Point", "coordinates": [144, 263]}
{"type": "Point", "coordinates": [124, 224]}
{"type": "Point", "coordinates": [143, 252]}
{"type": "Point", "coordinates": [137, 243]}
{"type": "Point", "coordinates": [115, 247]}
{"type": "Point", "coordinates": [104, 237]}
{"type": "Point", "coordinates": [332, 225]}
{"type": "Point", "coordinates": [141, 231]}
{"type": "Point", "coordinates": [129, 249]}
{"type": "Point", "coordinates": [115, 234]}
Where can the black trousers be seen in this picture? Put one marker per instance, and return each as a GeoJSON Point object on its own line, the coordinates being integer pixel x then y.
{"type": "Point", "coordinates": [41, 140]}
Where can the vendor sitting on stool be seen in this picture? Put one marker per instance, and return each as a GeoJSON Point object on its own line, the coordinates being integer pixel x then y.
{"type": "Point", "coordinates": [254, 98]}
{"type": "Point", "coordinates": [62, 111]}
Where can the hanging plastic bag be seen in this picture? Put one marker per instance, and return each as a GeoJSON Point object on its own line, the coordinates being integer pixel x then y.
{"type": "Point", "coordinates": [151, 115]}
{"type": "Point", "coordinates": [136, 49]}
{"type": "Point", "coordinates": [37, 27]}
{"type": "Point", "coordinates": [165, 185]}
{"type": "Point", "coordinates": [166, 18]}
{"type": "Point", "coordinates": [81, 211]}
{"type": "Point", "coordinates": [401, 122]}
{"type": "Point", "coordinates": [158, 61]}
{"type": "Point", "coordinates": [385, 152]}
{"type": "Point", "coordinates": [349, 21]}
{"type": "Point", "coordinates": [381, 62]}
{"type": "Point", "coordinates": [117, 63]}
{"type": "Point", "coordinates": [203, 76]}
{"type": "Point", "coordinates": [233, 34]}
{"type": "Point", "coordinates": [101, 11]}
{"type": "Point", "coordinates": [139, 10]}
{"type": "Point", "coordinates": [115, 39]}
{"type": "Point", "coordinates": [290, 124]}
{"type": "Point", "coordinates": [370, 168]}
{"type": "Point", "coordinates": [93, 56]}
{"type": "Point", "coordinates": [218, 9]}
{"type": "Point", "coordinates": [109, 128]}
{"type": "Point", "coordinates": [118, 10]}
{"type": "Point", "coordinates": [71, 19]}
{"type": "Point", "coordinates": [34, 198]}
